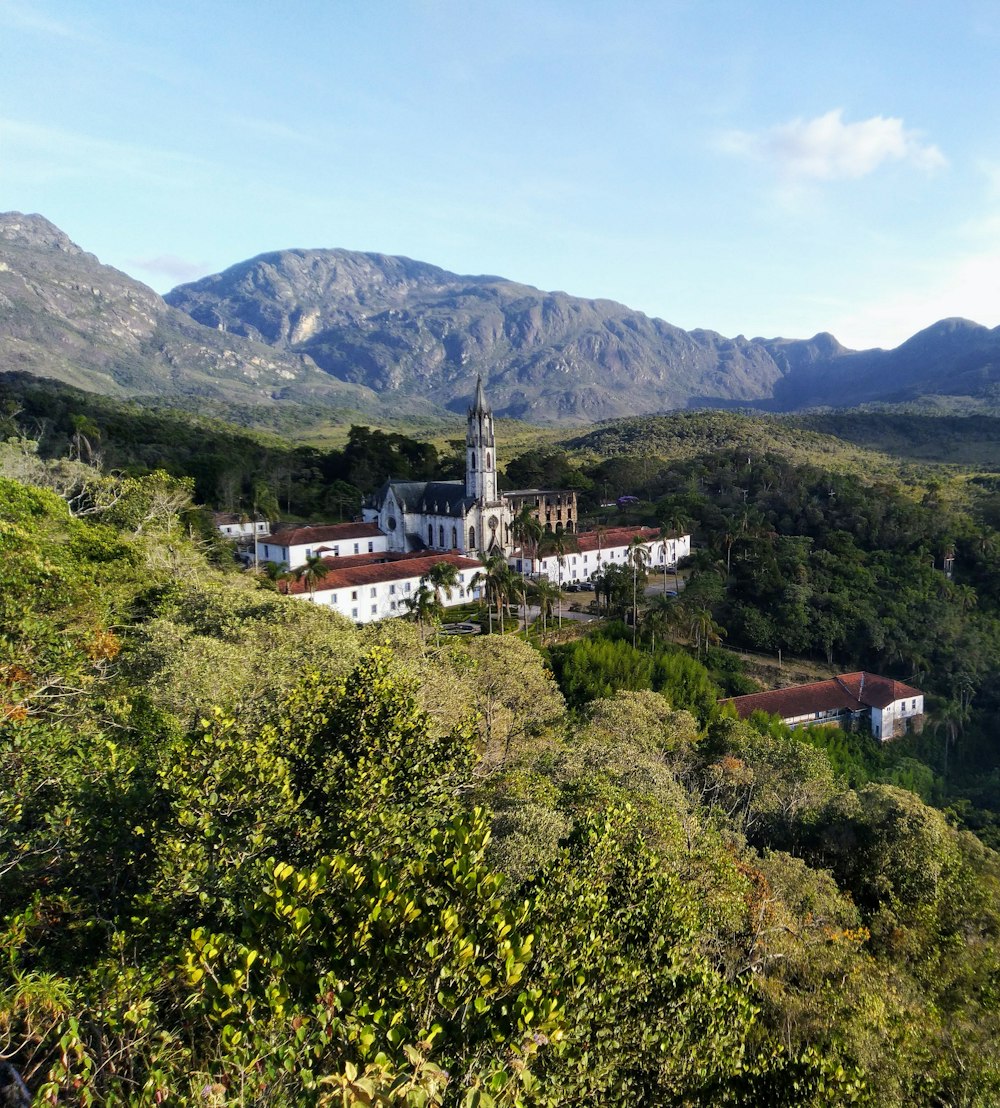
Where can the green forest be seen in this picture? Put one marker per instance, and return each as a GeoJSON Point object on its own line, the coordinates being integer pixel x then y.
{"type": "Point", "coordinates": [251, 854]}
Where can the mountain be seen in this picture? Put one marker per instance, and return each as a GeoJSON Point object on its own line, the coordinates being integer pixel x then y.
{"type": "Point", "coordinates": [341, 334]}
{"type": "Point", "coordinates": [65, 315]}
{"type": "Point", "coordinates": [412, 329]}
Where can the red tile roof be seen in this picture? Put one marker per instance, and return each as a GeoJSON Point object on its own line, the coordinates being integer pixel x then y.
{"type": "Point", "coordinates": [399, 569]}
{"type": "Point", "coordinates": [848, 692]}
{"type": "Point", "coordinates": [326, 532]}
{"type": "Point", "coordinates": [614, 536]}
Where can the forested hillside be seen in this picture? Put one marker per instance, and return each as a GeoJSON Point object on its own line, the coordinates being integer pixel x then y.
{"type": "Point", "coordinates": [252, 854]}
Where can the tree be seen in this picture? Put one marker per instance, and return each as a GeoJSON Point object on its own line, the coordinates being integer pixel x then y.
{"type": "Point", "coordinates": [498, 583]}
{"type": "Point", "coordinates": [527, 530]}
{"type": "Point", "coordinates": [312, 571]}
{"type": "Point", "coordinates": [443, 578]}
{"type": "Point", "coordinates": [546, 594]}
{"type": "Point", "coordinates": [425, 606]}
{"type": "Point", "coordinates": [637, 557]}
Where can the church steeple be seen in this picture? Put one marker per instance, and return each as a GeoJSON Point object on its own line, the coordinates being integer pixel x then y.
{"type": "Point", "coordinates": [480, 450]}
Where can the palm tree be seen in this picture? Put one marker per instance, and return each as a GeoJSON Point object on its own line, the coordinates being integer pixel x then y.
{"type": "Point", "coordinates": [527, 530]}
{"type": "Point", "coordinates": [637, 557]}
{"type": "Point", "coordinates": [673, 527]}
{"type": "Point", "coordinates": [498, 583]}
{"type": "Point", "coordinates": [442, 577]}
{"type": "Point", "coordinates": [561, 544]}
{"type": "Point", "coordinates": [425, 605]}
{"type": "Point", "coordinates": [705, 631]}
{"type": "Point", "coordinates": [663, 615]}
{"type": "Point", "coordinates": [545, 594]}
{"type": "Point", "coordinates": [312, 571]}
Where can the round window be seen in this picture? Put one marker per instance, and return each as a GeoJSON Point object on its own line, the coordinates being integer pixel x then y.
{"type": "Point", "coordinates": [391, 523]}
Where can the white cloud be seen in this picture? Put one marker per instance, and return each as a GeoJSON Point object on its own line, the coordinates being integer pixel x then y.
{"type": "Point", "coordinates": [169, 265]}
{"type": "Point", "coordinates": [826, 148]}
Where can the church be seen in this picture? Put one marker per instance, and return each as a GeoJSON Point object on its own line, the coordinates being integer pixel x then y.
{"type": "Point", "coordinates": [470, 517]}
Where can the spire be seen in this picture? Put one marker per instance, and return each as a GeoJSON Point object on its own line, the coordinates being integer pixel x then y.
{"type": "Point", "coordinates": [479, 404]}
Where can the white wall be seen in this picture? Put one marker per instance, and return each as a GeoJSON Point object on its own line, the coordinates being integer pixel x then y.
{"type": "Point", "coordinates": [581, 567]}
{"type": "Point", "coordinates": [886, 721]}
{"type": "Point", "coordinates": [387, 599]}
{"type": "Point", "coordinates": [291, 557]}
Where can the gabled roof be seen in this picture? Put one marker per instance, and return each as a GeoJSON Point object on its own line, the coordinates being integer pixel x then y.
{"type": "Point", "coordinates": [852, 692]}
{"type": "Point", "coordinates": [399, 569]}
{"type": "Point", "coordinates": [446, 498]}
{"type": "Point", "coordinates": [325, 532]}
{"type": "Point", "coordinates": [587, 541]}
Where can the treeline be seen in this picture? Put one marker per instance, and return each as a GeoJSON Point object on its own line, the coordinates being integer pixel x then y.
{"type": "Point", "coordinates": [233, 470]}
{"type": "Point", "coordinates": [253, 854]}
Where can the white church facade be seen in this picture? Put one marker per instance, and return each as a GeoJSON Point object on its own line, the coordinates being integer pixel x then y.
{"type": "Point", "coordinates": [470, 517]}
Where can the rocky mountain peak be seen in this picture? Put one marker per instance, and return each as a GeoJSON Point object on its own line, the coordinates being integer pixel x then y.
{"type": "Point", "coordinates": [35, 231]}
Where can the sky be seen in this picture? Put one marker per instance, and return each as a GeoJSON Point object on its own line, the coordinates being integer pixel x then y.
{"type": "Point", "coordinates": [755, 168]}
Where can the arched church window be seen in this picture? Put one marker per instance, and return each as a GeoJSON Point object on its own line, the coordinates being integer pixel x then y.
{"type": "Point", "coordinates": [487, 461]}
{"type": "Point", "coordinates": [430, 534]}
{"type": "Point", "coordinates": [473, 459]}
{"type": "Point", "coordinates": [441, 536]}
{"type": "Point", "coordinates": [472, 538]}
{"type": "Point", "coordinates": [454, 538]}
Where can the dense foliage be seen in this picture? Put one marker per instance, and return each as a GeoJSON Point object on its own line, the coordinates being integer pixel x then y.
{"type": "Point", "coordinates": [254, 855]}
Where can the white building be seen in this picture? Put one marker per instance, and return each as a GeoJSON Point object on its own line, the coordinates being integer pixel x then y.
{"type": "Point", "coordinates": [291, 546]}
{"type": "Point", "coordinates": [380, 590]}
{"type": "Point", "coordinates": [595, 550]}
{"type": "Point", "coordinates": [889, 707]}
{"type": "Point", "coordinates": [232, 526]}
{"type": "Point", "coordinates": [469, 517]}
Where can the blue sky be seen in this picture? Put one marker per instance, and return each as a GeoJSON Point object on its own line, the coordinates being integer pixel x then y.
{"type": "Point", "coordinates": [749, 167]}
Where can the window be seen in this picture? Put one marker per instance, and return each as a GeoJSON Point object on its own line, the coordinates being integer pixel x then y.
{"type": "Point", "coordinates": [472, 538]}
{"type": "Point", "coordinates": [333, 598]}
{"type": "Point", "coordinates": [441, 536]}
{"type": "Point", "coordinates": [392, 590]}
{"type": "Point", "coordinates": [473, 459]}
{"type": "Point", "coordinates": [406, 587]}
{"type": "Point", "coordinates": [357, 548]}
{"type": "Point", "coordinates": [487, 461]}
{"type": "Point", "coordinates": [267, 551]}
{"type": "Point", "coordinates": [373, 594]}
{"type": "Point", "coordinates": [371, 547]}
{"type": "Point", "coordinates": [354, 613]}
{"type": "Point", "coordinates": [392, 605]}
{"type": "Point", "coordinates": [374, 609]}
{"type": "Point", "coordinates": [454, 538]}
{"type": "Point", "coordinates": [430, 534]}
{"type": "Point", "coordinates": [354, 594]}
{"type": "Point", "coordinates": [336, 551]}
{"type": "Point", "coordinates": [914, 705]}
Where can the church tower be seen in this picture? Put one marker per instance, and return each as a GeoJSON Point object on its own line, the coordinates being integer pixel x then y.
{"type": "Point", "coordinates": [481, 451]}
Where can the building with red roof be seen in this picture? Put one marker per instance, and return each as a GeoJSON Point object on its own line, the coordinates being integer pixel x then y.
{"type": "Point", "coordinates": [889, 707]}
{"type": "Point", "coordinates": [366, 589]}
{"type": "Point", "coordinates": [290, 546]}
{"type": "Point", "coordinates": [590, 552]}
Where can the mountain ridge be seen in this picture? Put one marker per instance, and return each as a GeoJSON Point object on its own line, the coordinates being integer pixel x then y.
{"type": "Point", "coordinates": [375, 334]}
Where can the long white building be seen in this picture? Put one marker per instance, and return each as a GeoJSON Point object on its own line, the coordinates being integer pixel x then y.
{"type": "Point", "coordinates": [595, 550]}
{"type": "Point", "coordinates": [380, 589]}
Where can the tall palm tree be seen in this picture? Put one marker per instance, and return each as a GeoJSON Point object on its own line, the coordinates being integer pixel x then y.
{"type": "Point", "coordinates": [637, 557]}
{"type": "Point", "coordinates": [527, 531]}
{"type": "Point", "coordinates": [425, 606]}
{"type": "Point", "coordinates": [498, 583]}
{"type": "Point", "coordinates": [673, 527]}
{"type": "Point", "coordinates": [561, 544]}
{"type": "Point", "coordinates": [312, 571]}
{"type": "Point", "coordinates": [662, 616]}
{"type": "Point", "coordinates": [442, 578]}
{"type": "Point", "coordinates": [545, 594]}
{"type": "Point", "coordinates": [705, 632]}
